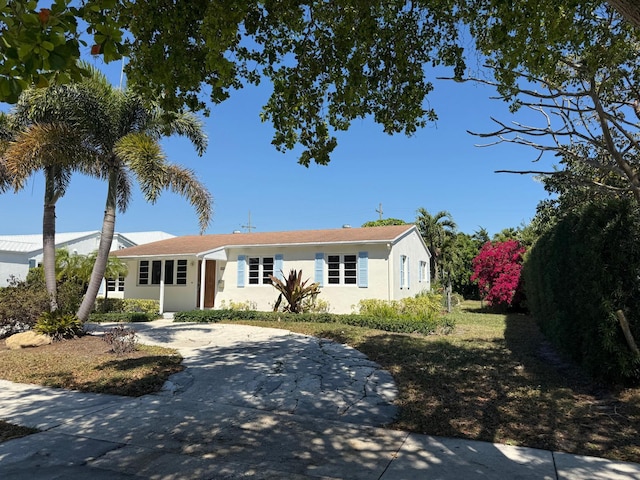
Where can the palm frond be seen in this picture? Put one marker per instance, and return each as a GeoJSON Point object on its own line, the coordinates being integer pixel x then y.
{"type": "Point", "coordinates": [6, 179]}
{"type": "Point", "coordinates": [144, 157]}
{"type": "Point", "coordinates": [40, 145]}
{"type": "Point", "coordinates": [188, 125]}
{"type": "Point", "coordinates": [123, 191]}
{"type": "Point", "coordinates": [6, 130]}
{"type": "Point", "coordinates": [132, 114]}
{"type": "Point", "coordinates": [184, 182]}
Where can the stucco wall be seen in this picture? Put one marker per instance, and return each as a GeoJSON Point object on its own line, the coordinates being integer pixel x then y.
{"type": "Point", "coordinates": [176, 297]}
{"type": "Point", "coordinates": [341, 298]}
{"type": "Point", "coordinates": [412, 247]}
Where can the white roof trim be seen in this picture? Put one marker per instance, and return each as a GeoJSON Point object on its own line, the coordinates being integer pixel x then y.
{"type": "Point", "coordinates": [217, 254]}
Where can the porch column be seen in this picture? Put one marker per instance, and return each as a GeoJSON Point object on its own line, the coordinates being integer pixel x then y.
{"type": "Point", "coordinates": [162, 286]}
{"type": "Point", "coordinates": [203, 269]}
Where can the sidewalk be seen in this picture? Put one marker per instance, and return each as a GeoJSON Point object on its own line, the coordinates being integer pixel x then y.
{"type": "Point", "coordinates": [256, 403]}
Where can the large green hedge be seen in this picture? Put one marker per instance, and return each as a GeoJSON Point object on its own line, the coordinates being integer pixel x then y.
{"type": "Point", "coordinates": [123, 317]}
{"type": "Point", "coordinates": [400, 325]}
{"type": "Point", "coordinates": [127, 305]}
{"type": "Point", "coordinates": [578, 275]}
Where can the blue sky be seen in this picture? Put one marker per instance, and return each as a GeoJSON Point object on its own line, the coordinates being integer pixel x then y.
{"type": "Point", "coordinates": [439, 168]}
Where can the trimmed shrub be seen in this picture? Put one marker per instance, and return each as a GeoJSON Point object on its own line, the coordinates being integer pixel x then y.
{"type": "Point", "coordinates": [127, 305]}
{"type": "Point", "coordinates": [123, 317]}
{"type": "Point", "coordinates": [390, 324]}
{"type": "Point", "coordinates": [578, 275]}
{"type": "Point", "coordinates": [246, 305]}
{"type": "Point", "coordinates": [424, 306]}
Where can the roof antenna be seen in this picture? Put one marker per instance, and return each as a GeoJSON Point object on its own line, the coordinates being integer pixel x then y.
{"type": "Point", "coordinates": [248, 226]}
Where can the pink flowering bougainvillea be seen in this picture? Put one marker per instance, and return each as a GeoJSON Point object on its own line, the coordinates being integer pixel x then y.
{"type": "Point", "coordinates": [497, 269]}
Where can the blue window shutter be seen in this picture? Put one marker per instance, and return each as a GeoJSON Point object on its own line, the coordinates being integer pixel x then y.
{"type": "Point", "coordinates": [408, 274]}
{"type": "Point", "coordinates": [32, 263]}
{"type": "Point", "coordinates": [277, 267]}
{"type": "Point", "coordinates": [319, 270]}
{"type": "Point", "coordinates": [241, 269]}
{"type": "Point", "coordinates": [363, 269]}
{"type": "Point", "coordinates": [402, 261]}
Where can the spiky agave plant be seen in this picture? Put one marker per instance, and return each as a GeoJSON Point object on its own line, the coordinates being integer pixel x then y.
{"type": "Point", "coordinates": [294, 291]}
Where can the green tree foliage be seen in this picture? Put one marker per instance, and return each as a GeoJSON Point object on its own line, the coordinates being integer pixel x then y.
{"type": "Point", "coordinates": [384, 222]}
{"type": "Point", "coordinates": [329, 62]}
{"type": "Point", "coordinates": [574, 185]}
{"type": "Point", "coordinates": [466, 249]}
{"type": "Point", "coordinates": [438, 232]}
{"type": "Point", "coordinates": [578, 274]}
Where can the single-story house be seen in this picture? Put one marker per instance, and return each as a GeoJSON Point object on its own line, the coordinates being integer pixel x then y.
{"type": "Point", "coordinates": [211, 271]}
{"type": "Point", "coordinates": [19, 253]}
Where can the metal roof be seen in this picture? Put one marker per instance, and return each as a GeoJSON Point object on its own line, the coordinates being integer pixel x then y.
{"type": "Point", "coordinates": [33, 242]}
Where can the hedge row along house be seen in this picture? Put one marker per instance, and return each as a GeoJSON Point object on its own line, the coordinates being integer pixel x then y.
{"type": "Point", "coordinates": [211, 271]}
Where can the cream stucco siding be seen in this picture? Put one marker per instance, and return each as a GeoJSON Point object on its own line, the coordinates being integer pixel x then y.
{"type": "Point", "coordinates": [176, 297]}
{"type": "Point", "coordinates": [341, 298]}
{"type": "Point", "coordinates": [413, 250]}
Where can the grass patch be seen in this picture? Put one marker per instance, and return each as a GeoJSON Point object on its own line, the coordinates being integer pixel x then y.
{"type": "Point", "coordinates": [496, 379]}
{"type": "Point", "coordinates": [87, 364]}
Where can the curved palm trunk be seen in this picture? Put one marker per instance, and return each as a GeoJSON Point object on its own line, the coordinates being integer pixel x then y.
{"type": "Point", "coordinates": [49, 239]}
{"type": "Point", "coordinates": [106, 238]}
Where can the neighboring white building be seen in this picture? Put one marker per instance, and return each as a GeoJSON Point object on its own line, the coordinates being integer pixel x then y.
{"type": "Point", "coordinates": [19, 253]}
{"type": "Point", "coordinates": [351, 264]}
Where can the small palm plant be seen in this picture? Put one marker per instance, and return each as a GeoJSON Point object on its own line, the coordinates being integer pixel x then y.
{"type": "Point", "coordinates": [294, 290]}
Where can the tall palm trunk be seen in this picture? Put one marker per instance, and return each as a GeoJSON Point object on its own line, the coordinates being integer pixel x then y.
{"type": "Point", "coordinates": [49, 238]}
{"type": "Point", "coordinates": [102, 257]}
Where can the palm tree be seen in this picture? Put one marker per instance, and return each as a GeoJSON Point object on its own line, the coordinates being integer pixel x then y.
{"type": "Point", "coordinates": [437, 231]}
{"type": "Point", "coordinates": [129, 141]}
{"type": "Point", "coordinates": [48, 130]}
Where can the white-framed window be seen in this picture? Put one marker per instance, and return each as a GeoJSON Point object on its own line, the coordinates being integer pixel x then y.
{"type": "Point", "coordinates": [260, 270]}
{"type": "Point", "coordinates": [404, 272]}
{"type": "Point", "coordinates": [422, 271]}
{"type": "Point", "coordinates": [114, 284]}
{"type": "Point", "coordinates": [342, 269]}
